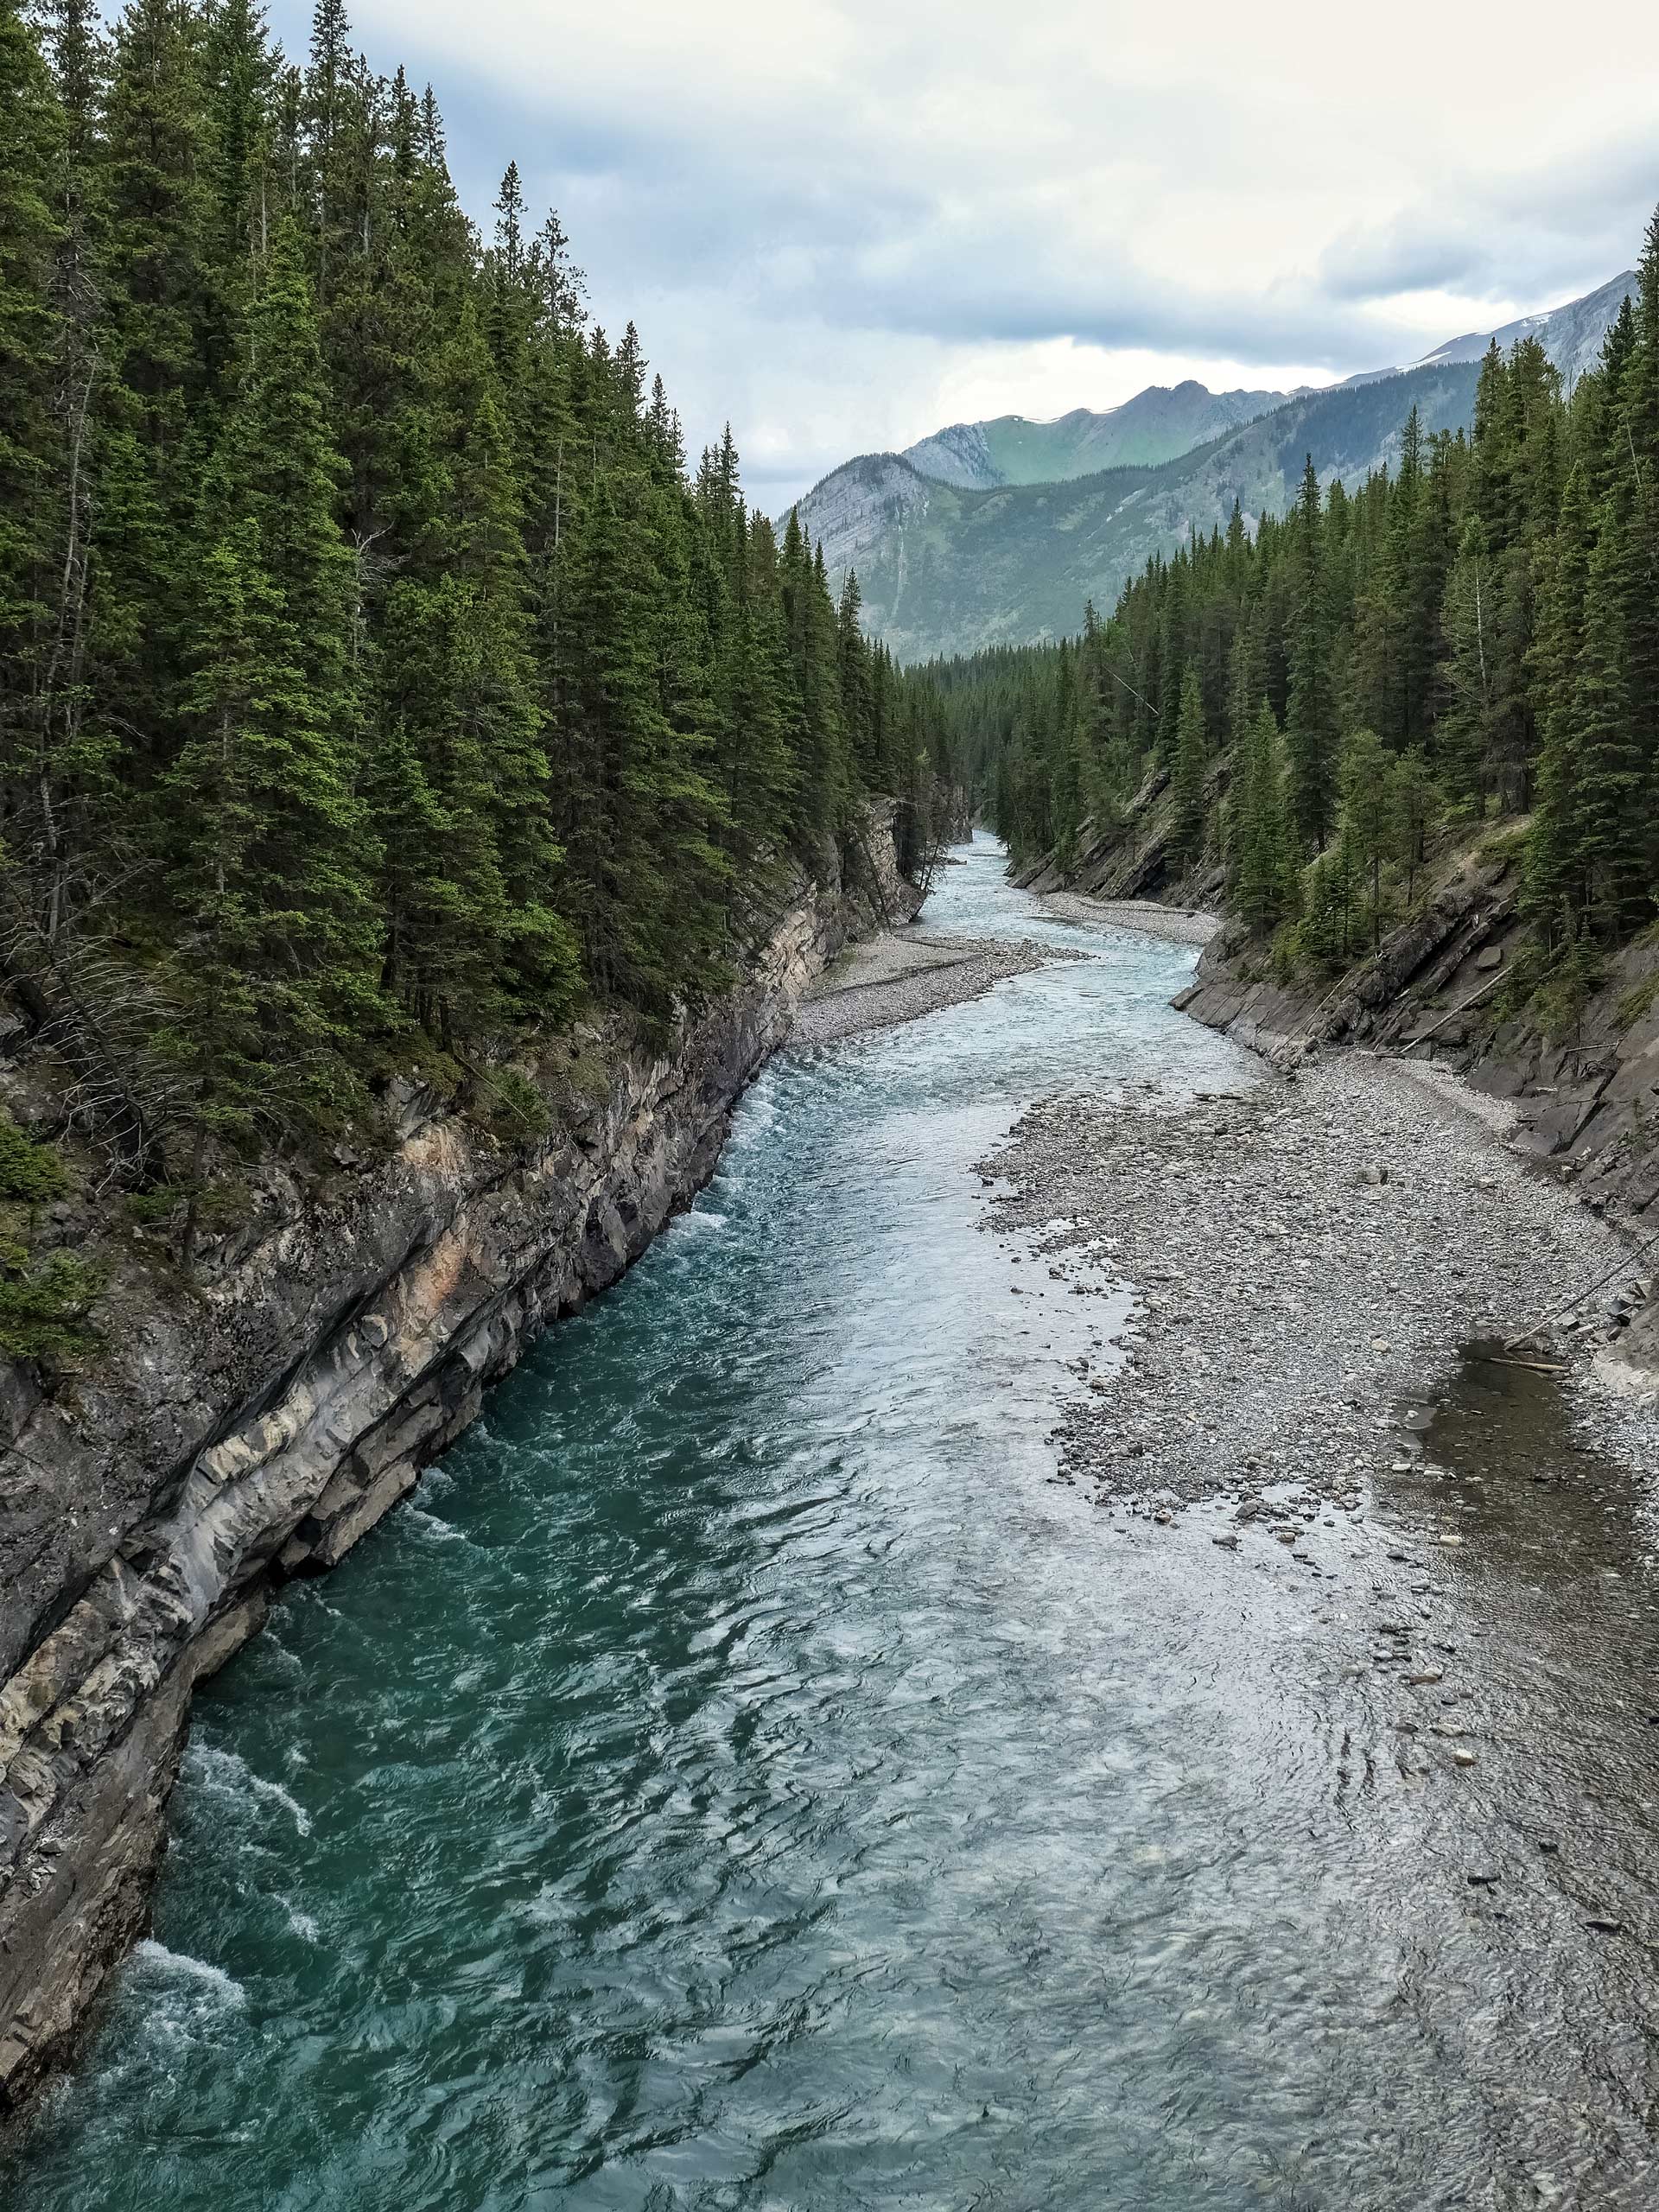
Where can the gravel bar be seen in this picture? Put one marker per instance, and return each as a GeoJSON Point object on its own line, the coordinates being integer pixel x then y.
{"type": "Point", "coordinates": [891, 979]}
{"type": "Point", "coordinates": [1174, 924]}
{"type": "Point", "coordinates": [1307, 1255]}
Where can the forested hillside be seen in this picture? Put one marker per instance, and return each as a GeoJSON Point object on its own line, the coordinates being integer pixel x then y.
{"type": "Point", "coordinates": [376, 682]}
{"type": "Point", "coordinates": [1469, 639]}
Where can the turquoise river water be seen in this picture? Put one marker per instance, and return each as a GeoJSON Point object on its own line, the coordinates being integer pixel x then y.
{"type": "Point", "coordinates": [740, 1777]}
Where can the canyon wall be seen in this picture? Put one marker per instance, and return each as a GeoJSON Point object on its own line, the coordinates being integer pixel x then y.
{"type": "Point", "coordinates": [254, 1423]}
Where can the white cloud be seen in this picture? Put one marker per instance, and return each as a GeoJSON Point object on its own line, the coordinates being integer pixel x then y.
{"type": "Point", "coordinates": [844, 226]}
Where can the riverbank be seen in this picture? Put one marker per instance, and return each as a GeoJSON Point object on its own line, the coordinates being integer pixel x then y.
{"type": "Point", "coordinates": [255, 1425]}
{"type": "Point", "coordinates": [757, 1592]}
{"type": "Point", "coordinates": [883, 981]}
{"type": "Point", "coordinates": [1308, 1255]}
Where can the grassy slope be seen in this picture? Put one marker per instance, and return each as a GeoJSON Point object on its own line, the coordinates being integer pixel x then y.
{"type": "Point", "coordinates": [1154, 427]}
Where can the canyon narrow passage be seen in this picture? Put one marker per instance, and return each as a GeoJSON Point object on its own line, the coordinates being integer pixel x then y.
{"type": "Point", "coordinates": [744, 1775]}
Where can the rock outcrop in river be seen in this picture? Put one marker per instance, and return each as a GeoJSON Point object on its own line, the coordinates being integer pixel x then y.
{"type": "Point", "coordinates": [254, 1425]}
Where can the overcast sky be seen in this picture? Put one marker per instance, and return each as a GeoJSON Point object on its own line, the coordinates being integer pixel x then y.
{"type": "Point", "coordinates": [845, 226]}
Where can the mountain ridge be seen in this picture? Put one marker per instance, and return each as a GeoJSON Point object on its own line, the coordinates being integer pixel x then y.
{"type": "Point", "coordinates": [1571, 333]}
{"type": "Point", "coordinates": [950, 564]}
{"type": "Point", "coordinates": [1157, 424]}
{"type": "Point", "coordinates": [942, 570]}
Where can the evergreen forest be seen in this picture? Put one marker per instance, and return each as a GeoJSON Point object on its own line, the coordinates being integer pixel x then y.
{"type": "Point", "coordinates": [1464, 648]}
{"type": "Point", "coordinates": [380, 684]}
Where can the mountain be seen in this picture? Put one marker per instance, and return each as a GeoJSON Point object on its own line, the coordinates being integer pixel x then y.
{"type": "Point", "coordinates": [952, 557]}
{"type": "Point", "coordinates": [1156, 425]}
{"type": "Point", "coordinates": [1571, 335]}
{"type": "Point", "coordinates": [947, 570]}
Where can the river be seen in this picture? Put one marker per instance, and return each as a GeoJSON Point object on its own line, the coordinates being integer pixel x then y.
{"type": "Point", "coordinates": [742, 1776]}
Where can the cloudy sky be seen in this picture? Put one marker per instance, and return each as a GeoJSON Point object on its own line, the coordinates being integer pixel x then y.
{"type": "Point", "coordinates": [844, 226]}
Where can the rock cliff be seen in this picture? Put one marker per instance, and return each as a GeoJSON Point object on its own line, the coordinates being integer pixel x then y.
{"type": "Point", "coordinates": [1435, 989]}
{"type": "Point", "coordinates": [255, 1424]}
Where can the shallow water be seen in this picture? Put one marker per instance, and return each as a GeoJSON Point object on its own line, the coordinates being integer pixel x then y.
{"type": "Point", "coordinates": [742, 1777]}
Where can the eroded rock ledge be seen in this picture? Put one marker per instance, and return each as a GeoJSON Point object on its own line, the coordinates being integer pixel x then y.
{"type": "Point", "coordinates": [256, 1428]}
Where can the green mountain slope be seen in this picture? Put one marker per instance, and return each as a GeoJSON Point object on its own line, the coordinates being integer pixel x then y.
{"type": "Point", "coordinates": [949, 570]}
{"type": "Point", "coordinates": [1157, 425]}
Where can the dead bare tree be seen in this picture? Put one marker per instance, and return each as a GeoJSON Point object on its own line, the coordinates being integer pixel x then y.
{"type": "Point", "coordinates": [83, 1006]}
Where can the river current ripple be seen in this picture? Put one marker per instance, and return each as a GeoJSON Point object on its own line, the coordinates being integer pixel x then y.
{"type": "Point", "coordinates": [740, 1777]}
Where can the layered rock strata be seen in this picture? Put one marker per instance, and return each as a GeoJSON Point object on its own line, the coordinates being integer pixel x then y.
{"type": "Point", "coordinates": [255, 1424]}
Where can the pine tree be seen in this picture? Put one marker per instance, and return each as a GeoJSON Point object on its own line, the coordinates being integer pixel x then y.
{"type": "Point", "coordinates": [1369, 817]}
{"type": "Point", "coordinates": [156, 427]}
{"type": "Point", "coordinates": [1191, 762]}
{"type": "Point", "coordinates": [1638, 407]}
{"type": "Point", "coordinates": [856, 703]}
{"type": "Point", "coordinates": [1262, 887]}
{"type": "Point", "coordinates": [275, 856]}
{"type": "Point", "coordinates": [1469, 676]}
{"type": "Point", "coordinates": [510, 224]}
{"type": "Point", "coordinates": [332, 93]}
{"type": "Point", "coordinates": [1172, 655]}
{"type": "Point", "coordinates": [30, 337]}
{"type": "Point", "coordinates": [240, 76]}
{"type": "Point", "coordinates": [754, 714]}
{"type": "Point", "coordinates": [1612, 772]}
{"type": "Point", "coordinates": [1309, 731]}
{"type": "Point", "coordinates": [561, 284]}
{"type": "Point", "coordinates": [646, 934]}
{"type": "Point", "coordinates": [1415, 799]}
{"type": "Point", "coordinates": [237, 704]}
{"type": "Point", "coordinates": [630, 366]}
{"type": "Point", "coordinates": [1555, 889]}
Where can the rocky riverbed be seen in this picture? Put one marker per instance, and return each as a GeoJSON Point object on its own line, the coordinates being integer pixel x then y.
{"type": "Point", "coordinates": [1306, 1803]}
{"type": "Point", "coordinates": [1307, 1255]}
{"type": "Point", "coordinates": [892, 978]}
{"type": "Point", "coordinates": [1463, 1545]}
{"type": "Point", "coordinates": [1144, 916]}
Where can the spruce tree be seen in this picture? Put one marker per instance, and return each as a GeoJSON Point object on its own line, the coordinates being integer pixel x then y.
{"type": "Point", "coordinates": [275, 847]}
{"type": "Point", "coordinates": [762, 696]}
{"type": "Point", "coordinates": [1555, 889]}
{"type": "Point", "coordinates": [1191, 761]}
{"type": "Point", "coordinates": [30, 337]}
{"type": "Point", "coordinates": [1612, 771]}
{"type": "Point", "coordinates": [1261, 886]}
{"type": "Point", "coordinates": [1370, 819]}
{"type": "Point", "coordinates": [1310, 740]}
{"type": "Point", "coordinates": [1415, 799]}
{"type": "Point", "coordinates": [1638, 522]}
